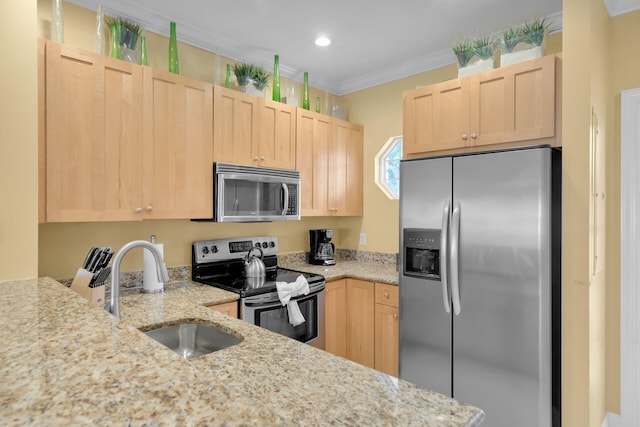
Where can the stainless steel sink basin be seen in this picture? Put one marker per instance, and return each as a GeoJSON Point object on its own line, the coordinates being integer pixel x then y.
{"type": "Point", "coordinates": [190, 340]}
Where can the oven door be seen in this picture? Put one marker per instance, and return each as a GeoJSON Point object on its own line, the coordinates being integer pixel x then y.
{"type": "Point", "coordinates": [267, 312]}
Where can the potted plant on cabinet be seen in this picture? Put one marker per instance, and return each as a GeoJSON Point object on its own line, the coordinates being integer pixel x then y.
{"type": "Point", "coordinates": [124, 38]}
{"type": "Point", "coordinates": [523, 42]}
{"type": "Point", "coordinates": [251, 78]}
{"type": "Point", "coordinates": [478, 54]}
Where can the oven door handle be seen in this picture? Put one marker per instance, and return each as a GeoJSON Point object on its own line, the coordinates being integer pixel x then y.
{"type": "Point", "coordinates": [270, 301]}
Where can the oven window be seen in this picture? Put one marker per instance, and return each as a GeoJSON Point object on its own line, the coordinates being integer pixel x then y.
{"type": "Point", "coordinates": [276, 319]}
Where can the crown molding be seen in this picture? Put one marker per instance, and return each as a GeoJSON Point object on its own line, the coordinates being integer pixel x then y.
{"type": "Point", "coordinates": [620, 7]}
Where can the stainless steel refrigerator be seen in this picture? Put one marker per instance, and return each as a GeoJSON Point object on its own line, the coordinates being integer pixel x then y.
{"type": "Point", "coordinates": [480, 281]}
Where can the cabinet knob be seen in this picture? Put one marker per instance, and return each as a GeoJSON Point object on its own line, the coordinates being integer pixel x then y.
{"type": "Point", "coordinates": [464, 137]}
{"type": "Point", "coordinates": [261, 157]}
{"type": "Point", "coordinates": [255, 159]}
{"type": "Point", "coordinates": [474, 136]}
{"type": "Point", "coordinates": [138, 210]}
{"type": "Point", "coordinates": [386, 295]}
{"type": "Point", "coordinates": [395, 317]}
{"type": "Point", "coordinates": [149, 208]}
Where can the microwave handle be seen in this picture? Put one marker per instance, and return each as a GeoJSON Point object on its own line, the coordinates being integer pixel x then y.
{"type": "Point", "coordinates": [286, 199]}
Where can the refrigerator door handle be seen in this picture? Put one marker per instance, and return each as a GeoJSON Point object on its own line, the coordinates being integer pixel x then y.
{"type": "Point", "coordinates": [455, 240]}
{"type": "Point", "coordinates": [444, 257]}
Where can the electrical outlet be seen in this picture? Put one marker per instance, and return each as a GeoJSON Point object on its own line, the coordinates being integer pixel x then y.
{"type": "Point", "coordinates": [363, 239]}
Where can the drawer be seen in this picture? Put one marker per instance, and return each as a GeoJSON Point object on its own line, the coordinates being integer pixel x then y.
{"type": "Point", "coordinates": [387, 294]}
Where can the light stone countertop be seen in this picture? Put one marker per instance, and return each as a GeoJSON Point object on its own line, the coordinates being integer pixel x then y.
{"type": "Point", "coordinates": [66, 362]}
{"type": "Point", "coordinates": [365, 270]}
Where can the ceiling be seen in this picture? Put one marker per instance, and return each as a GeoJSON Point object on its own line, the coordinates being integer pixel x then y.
{"type": "Point", "coordinates": [372, 41]}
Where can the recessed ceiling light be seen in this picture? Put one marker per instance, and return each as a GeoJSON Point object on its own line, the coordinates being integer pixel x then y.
{"type": "Point", "coordinates": [323, 41]}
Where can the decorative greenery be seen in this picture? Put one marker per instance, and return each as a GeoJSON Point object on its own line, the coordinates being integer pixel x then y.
{"type": "Point", "coordinates": [534, 31]}
{"type": "Point", "coordinates": [511, 37]}
{"type": "Point", "coordinates": [249, 73]}
{"type": "Point", "coordinates": [261, 78]}
{"type": "Point", "coordinates": [531, 32]}
{"type": "Point", "coordinates": [463, 51]}
{"type": "Point", "coordinates": [482, 47]}
{"type": "Point", "coordinates": [129, 30]}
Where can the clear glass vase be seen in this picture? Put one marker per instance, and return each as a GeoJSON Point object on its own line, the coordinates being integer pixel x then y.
{"type": "Point", "coordinates": [57, 21]}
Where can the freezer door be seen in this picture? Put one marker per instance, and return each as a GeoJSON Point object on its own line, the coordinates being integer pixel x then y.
{"type": "Point", "coordinates": [425, 326]}
{"type": "Point", "coordinates": [502, 336]}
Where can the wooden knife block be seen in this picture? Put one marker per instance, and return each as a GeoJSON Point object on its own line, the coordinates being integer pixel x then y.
{"type": "Point", "coordinates": [80, 285]}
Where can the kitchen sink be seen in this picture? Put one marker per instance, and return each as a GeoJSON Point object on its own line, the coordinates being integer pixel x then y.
{"type": "Point", "coordinates": [190, 340]}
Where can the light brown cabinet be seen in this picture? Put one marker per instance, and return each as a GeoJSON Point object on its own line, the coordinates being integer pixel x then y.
{"type": "Point", "coordinates": [362, 323]}
{"type": "Point", "coordinates": [386, 329]}
{"type": "Point", "coordinates": [123, 142]}
{"type": "Point", "coordinates": [329, 157]}
{"type": "Point", "coordinates": [253, 131]}
{"type": "Point", "coordinates": [514, 105]}
{"type": "Point", "coordinates": [360, 296]}
{"type": "Point", "coordinates": [335, 327]}
{"type": "Point", "coordinates": [178, 150]}
{"type": "Point", "coordinates": [228, 308]}
{"type": "Point", "coordinates": [93, 136]}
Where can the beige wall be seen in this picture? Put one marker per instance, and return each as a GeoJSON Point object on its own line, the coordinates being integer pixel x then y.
{"type": "Point", "coordinates": [18, 141]}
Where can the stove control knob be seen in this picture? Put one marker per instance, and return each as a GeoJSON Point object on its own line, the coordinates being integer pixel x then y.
{"type": "Point", "coordinates": [257, 245]}
{"type": "Point", "coordinates": [214, 249]}
{"type": "Point", "coordinates": [264, 245]}
{"type": "Point", "coordinates": [272, 244]}
{"type": "Point", "coordinates": [205, 250]}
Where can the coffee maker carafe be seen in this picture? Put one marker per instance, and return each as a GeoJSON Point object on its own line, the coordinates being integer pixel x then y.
{"type": "Point", "coordinates": [322, 250]}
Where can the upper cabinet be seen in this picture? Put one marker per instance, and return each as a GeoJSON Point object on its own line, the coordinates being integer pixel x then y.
{"type": "Point", "coordinates": [114, 154]}
{"type": "Point", "coordinates": [253, 131]}
{"type": "Point", "coordinates": [178, 149]}
{"type": "Point", "coordinates": [329, 158]}
{"type": "Point", "coordinates": [93, 136]}
{"type": "Point", "coordinates": [514, 105]}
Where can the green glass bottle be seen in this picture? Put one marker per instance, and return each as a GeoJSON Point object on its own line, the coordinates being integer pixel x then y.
{"type": "Point", "coordinates": [317, 104]}
{"type": "Point", "coordinates": [227, 81]}
{"type": "Point", "coordinates": [276, 78]}
{"type": "Point", "coordinates": [305, 94]}
{"type": "Point", "coordinates": [173, 49]}
{"type": "Point", "coordinates": [115, 40]}
{"type": "Point", "coordinates": [143, 51]}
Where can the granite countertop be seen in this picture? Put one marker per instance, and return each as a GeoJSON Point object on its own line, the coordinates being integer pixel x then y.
{"type": "Point", "coordinates": [65, 361]}
{"type": "Point", "coordinates": [372, 267]}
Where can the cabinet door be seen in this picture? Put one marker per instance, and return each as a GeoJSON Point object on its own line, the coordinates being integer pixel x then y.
{"type": "Point", "coordinates": [235, 127]}
{"type": "Point", "coordinates": [313, 134]}
{"type": "Point", "coordinates": [386, 327]}
{"type": "Point", "coordinates": [436, 117]}
{"type": "Point", "coordinates": [228, 308]}
{"type": "Point", "coordinates": [345, 171]}
{"type": "Point", "coordinates": [277, 135]}
{"type": "Point", "coordinates": [178, 146]}
{"type": "Point", "coordinates": [93, 136]}
{"type": "Point", "coordinates": [335, 326]}
{"type": "Point", "coordinates": [514, 103]}
{"type": "Point", "coordinates": [360, 322]}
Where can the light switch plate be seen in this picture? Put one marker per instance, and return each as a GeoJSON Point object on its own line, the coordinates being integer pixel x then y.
{"type": "Point", "coordinates": [363, 239]}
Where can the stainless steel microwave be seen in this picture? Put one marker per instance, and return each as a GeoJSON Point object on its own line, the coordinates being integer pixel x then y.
{"type": "Point", "coordinates": [255, 194]}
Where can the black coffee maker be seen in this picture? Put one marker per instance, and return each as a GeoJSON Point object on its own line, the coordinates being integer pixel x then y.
{"type": "Point", "coordinates": [322, 250]}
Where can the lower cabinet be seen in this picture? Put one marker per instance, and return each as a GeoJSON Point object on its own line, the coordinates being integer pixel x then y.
{"type": "Point", "coordinates": [228, 308]}
{"type": "Point", "coordinates": [386, 328]}
{"type": "Point", "coordinates": [361, 323]}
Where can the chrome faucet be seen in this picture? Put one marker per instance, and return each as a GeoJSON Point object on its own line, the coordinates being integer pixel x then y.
{"type": "Point", "coordinates": [163, 276]}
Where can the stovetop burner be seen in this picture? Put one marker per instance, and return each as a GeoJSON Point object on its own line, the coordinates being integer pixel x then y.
{"type": "Point", "coordinates": [219, 263]}
{"type": "Point", "coordinates": [248, 286]}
